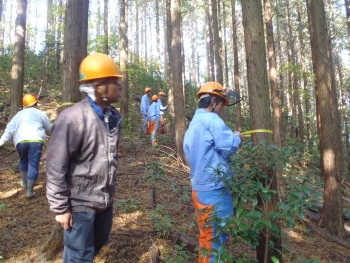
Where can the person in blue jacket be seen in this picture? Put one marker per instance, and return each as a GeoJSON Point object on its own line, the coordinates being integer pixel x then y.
{"type": "Point", "coordinates": [144, 107]}
{"type": "Point", "coordinates": [154, 115]}
{"type": "Point", "coordinates": [208, 146]}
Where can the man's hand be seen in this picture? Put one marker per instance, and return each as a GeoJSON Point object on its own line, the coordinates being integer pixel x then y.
{"type": "Point", "coordinates": [241, 136]}
{"type": "Point", "coordinates": [65, 219]}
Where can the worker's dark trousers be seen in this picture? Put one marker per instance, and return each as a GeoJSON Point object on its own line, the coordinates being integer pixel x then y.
{"type": "Point", "coordinates": [30, 154]}
{"type": "Point", "coordinates": [87, 236]}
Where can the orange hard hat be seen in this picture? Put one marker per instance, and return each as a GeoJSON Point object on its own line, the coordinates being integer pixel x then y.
{"type": "Point", "coordinates": [161, 93]}
{"type": "Point", "coordinates": [29, 100]}
{"type": "Point", "coordinates": [98, 66]}
{"type": "Point", "coordinates": [214, 88]}
{"type": "Point", "coordinates": [147, 89]}
{"type": "Point", "coordinates": [154, 97]}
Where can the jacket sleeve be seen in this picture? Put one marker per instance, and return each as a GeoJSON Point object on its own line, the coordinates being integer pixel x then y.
{"type": "Point", "coordinates": [226, 142]}
{"type": "Point", "coordinates": [143, 105]}
{"type": "Point", "coordinates": [47, 125]}
{"type": "Point", "coordinates": [10, 130]}
{"type": "Point", "coordinates": [65, 141]}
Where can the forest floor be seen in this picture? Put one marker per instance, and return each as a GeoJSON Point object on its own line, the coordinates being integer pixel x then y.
{"type": "Point", "coordinates": [26, 224]}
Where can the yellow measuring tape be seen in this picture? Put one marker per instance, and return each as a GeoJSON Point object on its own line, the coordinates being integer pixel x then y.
{"type": "Point", "coordinates": [66, 104]}
{"type": "Point", "coordinates": [249, 133]}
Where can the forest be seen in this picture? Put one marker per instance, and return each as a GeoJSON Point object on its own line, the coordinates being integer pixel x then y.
{"type": "Point", "coordinates": [287, 62]}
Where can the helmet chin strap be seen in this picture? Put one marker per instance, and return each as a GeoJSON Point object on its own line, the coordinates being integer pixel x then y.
{"type": "Point", "coordinates": [104, 95]}
{"type": "Point", "coordinates": [214, 106]}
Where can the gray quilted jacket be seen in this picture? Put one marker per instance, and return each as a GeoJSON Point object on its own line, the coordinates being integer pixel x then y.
{"type": "Point", "coordinates": [81, 161]}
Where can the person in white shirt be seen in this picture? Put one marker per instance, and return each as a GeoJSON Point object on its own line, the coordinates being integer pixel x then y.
{"type": "Point", "coordinates": [162, 108]}
{"type": "Point", "coordinates": [28, 130]}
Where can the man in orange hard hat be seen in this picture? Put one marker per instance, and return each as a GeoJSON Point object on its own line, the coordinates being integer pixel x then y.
{"type": "Point", "coordinates": [144, 107]}
{"type": "Point", "coordinates": [28, 129]}
{"type": "Point", "coordinates": [208, 146]}
{"type": "Point", "coordinates": [82, 160]}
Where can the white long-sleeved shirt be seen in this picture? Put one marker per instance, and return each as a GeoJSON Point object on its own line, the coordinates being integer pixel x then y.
{"type": "Point", "coordinates": [27, 125]}
{"type": "Point", "coordinates": [161, 107]}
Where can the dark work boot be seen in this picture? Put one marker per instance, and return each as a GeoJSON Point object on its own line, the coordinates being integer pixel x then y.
{"type": "Point", "coordinates": [30, 192]}
{"type": "Point", "coordinates": [24, 179]}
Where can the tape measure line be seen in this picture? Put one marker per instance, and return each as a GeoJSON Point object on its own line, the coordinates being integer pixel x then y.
{"type": "Point", "coordinates": [250, 132]}
{"type": "Point", "coordinates": [66, 104]}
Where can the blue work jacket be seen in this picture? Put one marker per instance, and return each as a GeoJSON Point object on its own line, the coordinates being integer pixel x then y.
{"type": "Point", "coordinates": [208, 146]}
{"type": "Point", "coordinates": [144, 104]}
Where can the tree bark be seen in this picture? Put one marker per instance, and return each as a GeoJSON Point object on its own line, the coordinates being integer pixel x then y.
{"type": "Point", "coordinates": [123, 45]}
{"type": "Point", "coordinates": [105, 26]}
{"type": "Point", "coordinates": [236, 75]}
{"type": "Point", "coordinates": [58, 41]}
{"type": "Point", "coordinates": [159, 79]}
{"type": "Point", "coordinates": [217, 44]}
{"type": "Point", "coordinates": [177, 83]}
{"type": "Point", "coordinates": [17, 73]}
{"type": "Point", "coordinates": [273, 74]}
{"type": "Point", "coordinates": [75, 47]}
{"type": "Point", "coordinates": [327, 120]}
{"type": "Point", "coordinates": [260, 117]}
{"type": "Point", "coordinates": [209, 42]}
{"type": "Point", "coordinates": [347, 10]}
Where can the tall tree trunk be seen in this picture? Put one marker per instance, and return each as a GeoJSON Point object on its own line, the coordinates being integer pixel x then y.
{"type": "Point", "coordinates": [284, 111]}
{"type": "Point", "coordinates": [58, 41]}
{"type": "Point", "coordinates": [98, 26]}
{"type": "Point", "coordinates": [260, 117]}
{"type": "Point", "coordinates": [17, 73]}
{"type": "Point", "coordinates": [2, 26]}
{"type": "Point", "coordinates": [236, 76]}
{"type": "Point", "coordinates": [225, 45]}
{"type": "Point", "coordinates": [159, 79]}
{"type": "Point", "coordinates": [1, 9]}
{"type": "Point", "coordinates": [273, 74]}
{"type": "Point", "coordinates": [105, 26]}
{"type": "Point", "coordinates": [168, 34]}
{"type": "Point", "coordinates": [75, 47]}
{"type": "Point", "coordinates": [177, 77]}
{"type": "Point", "coordinates": [145, 31]}
{"type": "Point", "coordinates": [344, 114]}
{"type": "Point", "coordinates": [217, 44]}
{"type": "Point", "coordinates": [347, 10]}
{"type": "Point", "coordinates": [209, 42]}
{"type": "Point", "coordinates": [291, 75]}
{"type": "Point", "coordinates": [137, 36]}
{"type": "Point", "coordinates": [327, 121]}
{"type": "Point", "coordinates": [305, 80]}
{"type": "Point", "coordinates": [123, 45]}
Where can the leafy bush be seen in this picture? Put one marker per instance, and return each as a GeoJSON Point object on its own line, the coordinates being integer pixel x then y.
{"type": "Point", "coordinates": [162, 223]}
{"type": "Point", "coordinates": [250, 181]}
{"type": "Point", "coordinates": [129, 205]}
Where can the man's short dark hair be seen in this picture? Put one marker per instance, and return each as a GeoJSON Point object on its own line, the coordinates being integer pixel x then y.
{"type": "Point", "coordinates": [205, 102]}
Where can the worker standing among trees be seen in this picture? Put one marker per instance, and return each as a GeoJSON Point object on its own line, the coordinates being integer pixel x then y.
{"type": "Point", "coordinates": [154, 116]}
{"type": "Point", "coordinates": [144, 107]}
{"type": "Point", "coordinates": [28, 129]}
{"type": "Point", "coordinates": [82, 160]}
{"type": "Point", "coordinates": [208, 146]}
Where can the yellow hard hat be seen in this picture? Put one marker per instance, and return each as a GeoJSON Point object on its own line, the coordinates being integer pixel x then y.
{"type": "Point", "coordinates": [147, 89]}
{"type": "Point", "coordinates": [154, 97]}
{"type": "Point", "coordinates": [29, 100]}
{"type": "Point", "coordinates": [213, 88]}
{"type": "Point", "coordinates": [98, 66]}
